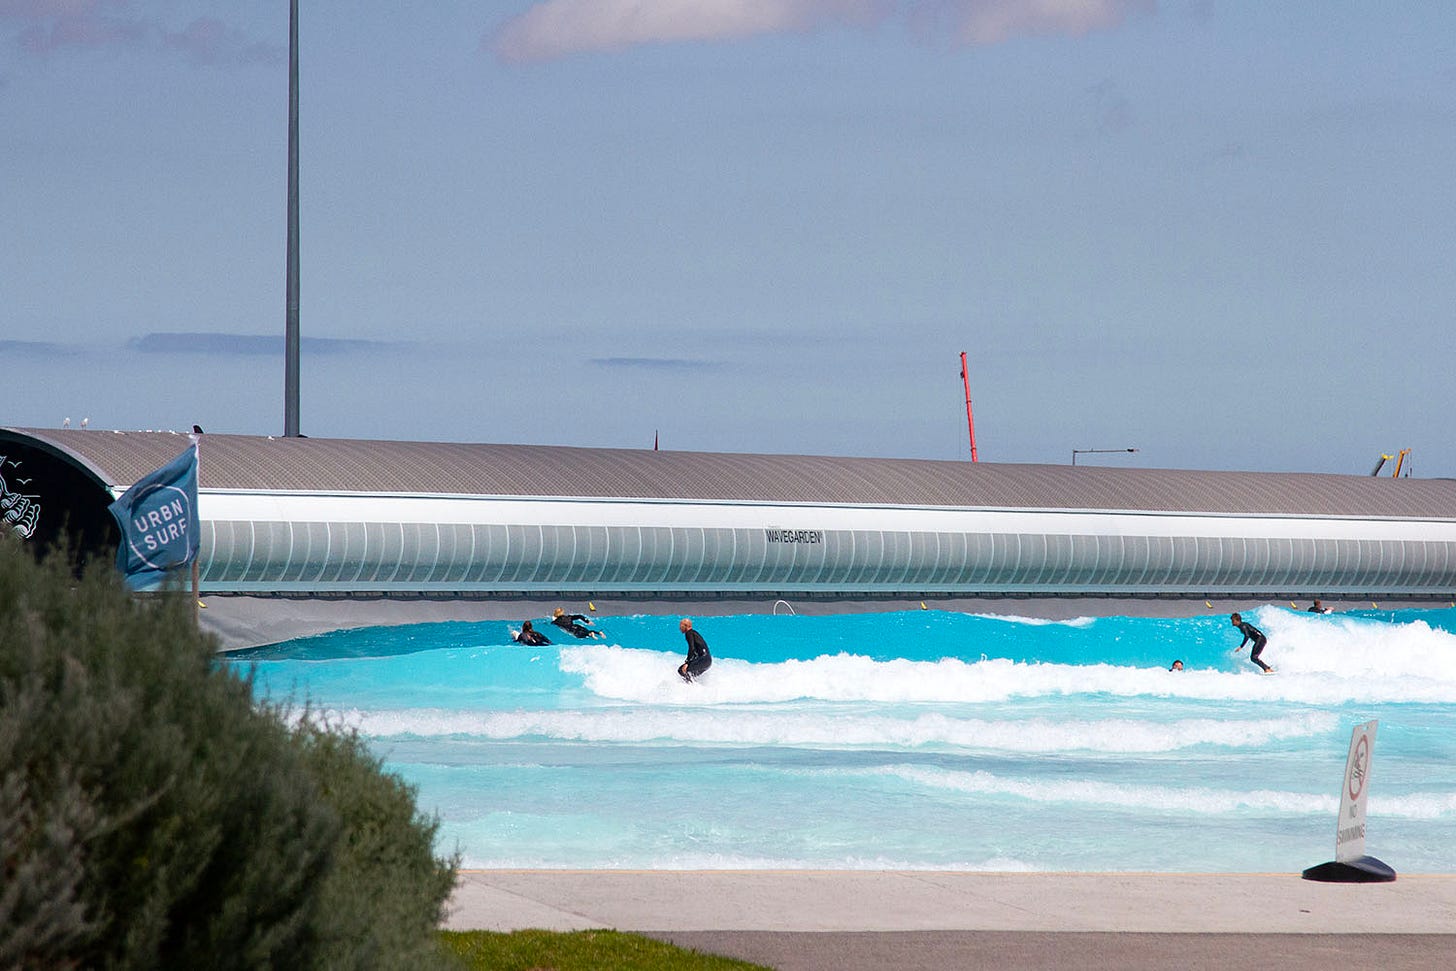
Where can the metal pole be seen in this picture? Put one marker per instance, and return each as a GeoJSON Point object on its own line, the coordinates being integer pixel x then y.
{"type": "Point", "coordinates": [1086, 451]}
{"type": "Point", "coordinates": [290, 335]}
{"type": "Point", "coordinates": [196, 592]}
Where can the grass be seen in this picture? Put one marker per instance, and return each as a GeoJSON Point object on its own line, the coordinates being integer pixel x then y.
{"type": "Point", "coordinates": [578, 951]}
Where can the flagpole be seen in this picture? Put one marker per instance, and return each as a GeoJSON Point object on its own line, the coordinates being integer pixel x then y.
{"type": "Point", "coordinates": [197, 560]}
{"type": "Point", "coordinates": [290, 334]}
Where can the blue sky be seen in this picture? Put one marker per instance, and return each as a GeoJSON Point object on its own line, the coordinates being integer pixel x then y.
{"type": "Point", "coordinates": [1221, 233]}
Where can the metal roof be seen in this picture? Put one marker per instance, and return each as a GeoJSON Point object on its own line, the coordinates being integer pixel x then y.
{"type": "Point", "coordinates": [252, 462]}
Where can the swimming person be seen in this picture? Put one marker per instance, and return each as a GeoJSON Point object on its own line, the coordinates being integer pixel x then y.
{"type": "Point", "coordinates": [699, 660]}
{"type": "Point", "coordinates": [571, 623]}
{"type": "Point", "coordinates": [1177, 666]}
{"type": "Point", "coordinates": [530, 636]}
{"type": "Point", "coordinates": [1251, 633]}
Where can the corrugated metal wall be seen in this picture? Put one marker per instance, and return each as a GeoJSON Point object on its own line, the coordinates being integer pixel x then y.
{"type": "Point", "coordinates": [403, 557]}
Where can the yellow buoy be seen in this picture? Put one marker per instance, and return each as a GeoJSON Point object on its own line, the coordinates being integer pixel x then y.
{"type": "Point", "coordinates": [590, 605]}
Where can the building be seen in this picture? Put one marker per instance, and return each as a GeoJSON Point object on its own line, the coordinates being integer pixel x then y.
{"type": "Point", "coordinates": [302, 521]}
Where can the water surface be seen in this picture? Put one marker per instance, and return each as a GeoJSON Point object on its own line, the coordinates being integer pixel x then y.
{"type": "Point", "coordinates": [907, 740]}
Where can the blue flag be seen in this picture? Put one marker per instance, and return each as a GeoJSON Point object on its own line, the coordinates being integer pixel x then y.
{"type": "Point", "coordinates": [158, 519]}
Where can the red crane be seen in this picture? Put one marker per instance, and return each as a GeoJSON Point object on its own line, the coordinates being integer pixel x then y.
{"type": "Point", "coordinates": [970, 422]}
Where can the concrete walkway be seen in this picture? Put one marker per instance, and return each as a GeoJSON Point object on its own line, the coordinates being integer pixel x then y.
{"type": "Point", "coordinates": [802, 920]}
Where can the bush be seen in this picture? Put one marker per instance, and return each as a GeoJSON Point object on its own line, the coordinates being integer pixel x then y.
{"type": "Point", "coordinates": [152, 815]}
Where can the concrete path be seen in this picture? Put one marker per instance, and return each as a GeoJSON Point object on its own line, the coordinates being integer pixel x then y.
{"type": "Point", "coordinates": [850, 920]}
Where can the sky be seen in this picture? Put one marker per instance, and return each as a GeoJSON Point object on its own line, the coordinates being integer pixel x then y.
{"type": "Point", "coordinates": [1221, 233]}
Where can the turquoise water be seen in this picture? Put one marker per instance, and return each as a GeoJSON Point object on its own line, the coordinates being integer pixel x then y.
{"type": "Point", "coordinates": [909, 740]}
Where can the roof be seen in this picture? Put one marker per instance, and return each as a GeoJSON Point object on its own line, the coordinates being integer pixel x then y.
{"type": "Point", "coordinates": [252, 462]}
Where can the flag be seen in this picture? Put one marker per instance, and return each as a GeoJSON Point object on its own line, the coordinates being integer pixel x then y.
{"type": "Point", "coordinates": [158, 519]}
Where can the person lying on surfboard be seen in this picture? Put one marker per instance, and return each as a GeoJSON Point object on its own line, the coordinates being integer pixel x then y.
{"type": "Point", "coordinates": [572, 624]}
{"type": "Point", "coordinates": [530, 636]}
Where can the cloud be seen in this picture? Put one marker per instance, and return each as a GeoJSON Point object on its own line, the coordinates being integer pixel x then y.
{"type": "Point", "coordinates": [13, 348]}
{"type": "Point", "coordinates": [211, 42]}
{"type": "Point", "coordinates": [559, 28]}
{"type": "Point", "coordinates": [981, 22]}
{"type": "Point", "coordinates": [46, 26]}
{"type": "Point", "coordinates": [236, 345]}
{"type": "Point", "coordinates": [654, 363]}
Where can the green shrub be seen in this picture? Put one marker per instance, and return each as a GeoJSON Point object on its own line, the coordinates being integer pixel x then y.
{"type": "Point", "coordinates": [152, 815]}
{"type": "Point", "coordinates": [383, 899]}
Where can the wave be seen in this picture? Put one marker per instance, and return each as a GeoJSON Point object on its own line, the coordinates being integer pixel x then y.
{"type": "Point", "coordinates": [1320, 660]}
{"type": "Point", "coordinates": [1075, 622]}
{"type": "Point", "coordinates": [837, 730]}
{"type": "Point", "coordinates": [1088, 792]}
{"type": "Point", "coordinates": [1311, 671]}
{"type": "Point", "coordinates": [1359, 647]}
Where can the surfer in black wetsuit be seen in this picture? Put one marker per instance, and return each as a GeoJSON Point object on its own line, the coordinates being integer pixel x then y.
{"type": "Point", "coordinates": [699, 660]}
{"type": "Point", "coordinates": [530, 636]}
{"type": "Point", "coordinates": [572, 624]}
{"type": "Point", "coordinates": [1251, 633]}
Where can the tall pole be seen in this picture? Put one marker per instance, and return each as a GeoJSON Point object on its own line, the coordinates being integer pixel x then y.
{"type": "Point", "coordinates": [290, 335]}
{"type": "Point", "coordinates": [970, 422]}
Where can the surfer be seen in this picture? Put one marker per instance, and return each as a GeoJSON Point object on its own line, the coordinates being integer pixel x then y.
{"type": "Point", "coordinates": [1177, 666]}
{"type": "Point", "coordinates": [699, 660]}
{"type": "Point", "coordinates": [1251, 633]}
{"type": "Point", "coordinates": [530, 636]}
{"type": "Point", "coordinates": [572, 624]}
{"type": "Point", "coordinates": [1318, 608]}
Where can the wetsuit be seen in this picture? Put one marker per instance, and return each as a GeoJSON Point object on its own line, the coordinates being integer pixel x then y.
{"type": "Point", "coordinates": [532, 638]}
{"type": "Point", "coordinates": [568, 623]}
{"type": "Point", "coordinates": [1252, 633]}
{"type": "Point", "coordinates": [699, 660]}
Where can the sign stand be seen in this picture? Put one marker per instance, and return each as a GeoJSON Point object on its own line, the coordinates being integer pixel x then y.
{"type": "Point", "coordinates": [1350, 864]}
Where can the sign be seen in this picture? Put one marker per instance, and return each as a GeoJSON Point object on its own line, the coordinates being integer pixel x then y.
{"type": "Point", "coordinates": [793, 535]}
{"type": "Point", "coordinates": [158, 519]}
{"type": "Point", "coordinates": [1350, 831]}
{"type": "Point", "coordinates": [18, 510]}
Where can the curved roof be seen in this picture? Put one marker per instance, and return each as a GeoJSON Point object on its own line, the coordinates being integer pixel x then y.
{"type": "Point", "coordinates": [250, 462]}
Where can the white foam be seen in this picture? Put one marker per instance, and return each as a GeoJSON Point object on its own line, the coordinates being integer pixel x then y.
{"type": "Point", "coordinates": [1315, 667]}
{"type": "Point", "coordinates": [838, 730]}
{"type": "Point", "coordinates": [1089, 792]}
{"type": "Point", "coordinates": [1078, 622]}
{"type": "Point", "coordinates": [1358, 647]}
